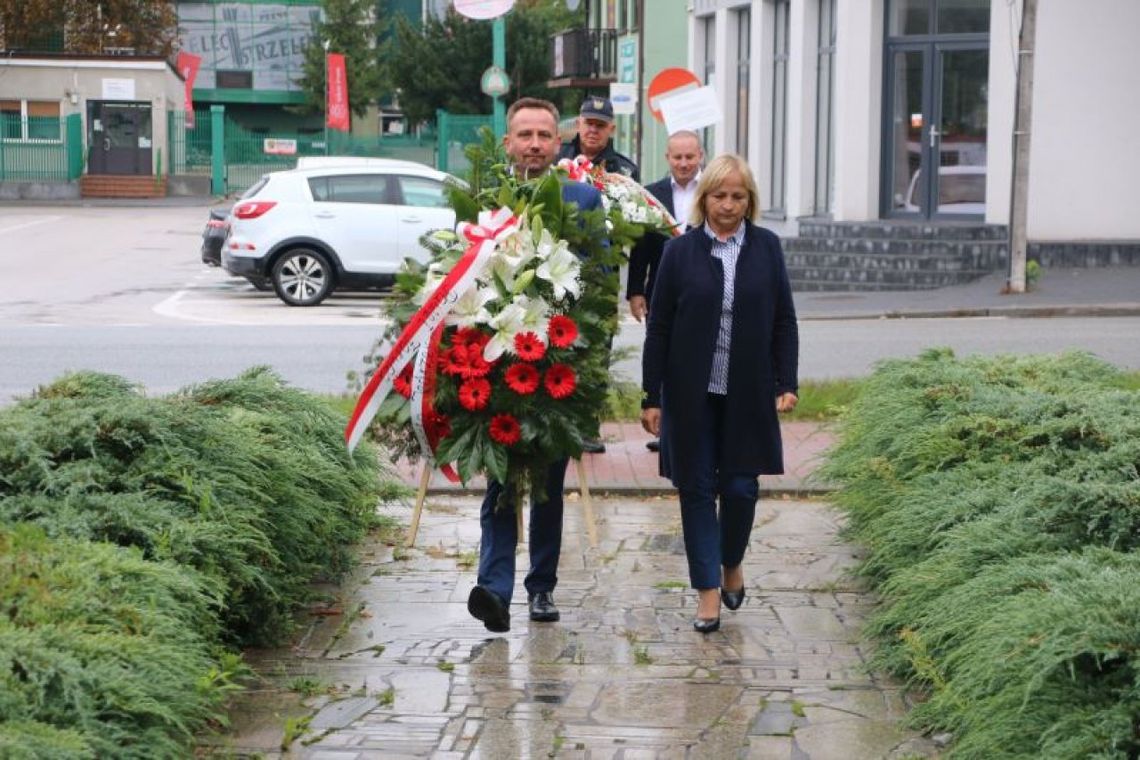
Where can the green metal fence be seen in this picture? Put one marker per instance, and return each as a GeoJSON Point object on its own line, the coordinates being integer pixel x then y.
{"type": "Point", "coordinates": [189, 146]}
{"type": "Point", "coordinates": [40, 148]}
{"type": "Point", "coordinates": [456, 131]}
{"type": "Point", "coordinates": [246, 154]}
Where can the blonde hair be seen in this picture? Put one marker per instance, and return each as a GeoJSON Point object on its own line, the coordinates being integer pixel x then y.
{"type": "Point", "coordinates": [714, 176]}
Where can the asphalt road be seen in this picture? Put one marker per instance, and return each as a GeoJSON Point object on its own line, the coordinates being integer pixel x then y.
{"type": "Point", "coordinates": [122, 290]}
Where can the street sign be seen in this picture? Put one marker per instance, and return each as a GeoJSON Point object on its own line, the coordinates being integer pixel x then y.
{"type": "Point", "coordinates": [482, 10]}
{"type": "Point", "coordinates": [494, 82]}
{"type": "Point", "coordinates": [669, 82]}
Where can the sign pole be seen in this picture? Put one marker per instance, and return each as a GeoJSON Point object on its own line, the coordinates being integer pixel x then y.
{"type": "Point", "coordinates": [499, 59]}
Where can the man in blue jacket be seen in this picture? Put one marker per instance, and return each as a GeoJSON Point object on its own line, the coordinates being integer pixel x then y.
{"type": "Point", "coordinates": [532, 145]}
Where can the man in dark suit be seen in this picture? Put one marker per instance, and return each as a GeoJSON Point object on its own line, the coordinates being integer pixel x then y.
{"type": "Point", "coordinates": [676, 192]}
{"type": "Point", "coordinates": [532, 144]}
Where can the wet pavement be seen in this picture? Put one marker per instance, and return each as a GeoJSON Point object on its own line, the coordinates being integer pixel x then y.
{"type": "Point", "coordinates": [394, 667]}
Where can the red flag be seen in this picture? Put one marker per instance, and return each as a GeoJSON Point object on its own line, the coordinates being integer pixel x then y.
{"type": "Point", "coordinates": [187, 66]}
{"type": "Point", "coordinates": [336, 113]}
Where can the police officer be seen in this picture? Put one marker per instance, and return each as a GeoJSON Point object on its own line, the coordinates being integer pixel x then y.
{"type": "Point", "coordinates": [595, 139]}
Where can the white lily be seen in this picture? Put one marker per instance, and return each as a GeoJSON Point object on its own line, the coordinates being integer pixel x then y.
{"type": "Point", "coordinates": [432, 280]}
{"type": "Point", "coordinates": [471, 309]}
{"type": "Point", "coordinates": [561, 269]}
{"type": "Point", "coordinates": [521, 315]}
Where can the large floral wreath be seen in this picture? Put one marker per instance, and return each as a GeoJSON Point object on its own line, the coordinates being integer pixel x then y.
{"type": "Point", "coordinates": [496, 361]}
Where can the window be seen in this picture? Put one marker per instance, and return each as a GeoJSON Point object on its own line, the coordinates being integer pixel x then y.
{"type": "Point", "coordinates": [824, 100]}
{"type": "Point", "coordinates": [422, 192]}
{"type": "Point", "coordinates": [779, 108]}
{"type": "Point", "coordinates": [708, 51]}
{"type": "Point", "coordinates": [743, 19]}
{"type": "Point", "coordinates": [350, 188]}
{"type": "Point", "coordinates": [30, 120]}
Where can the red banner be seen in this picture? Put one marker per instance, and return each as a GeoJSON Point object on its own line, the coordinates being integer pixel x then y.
{"type": "Point", "coordinates": [187, 65]}
{"type": "Point", "coordinates": [336, 113]}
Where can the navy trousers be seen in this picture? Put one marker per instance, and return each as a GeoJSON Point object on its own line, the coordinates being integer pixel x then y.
{"type": "Point", "coordinates": [714, 538]}
{"type": "Point", "coordinates": [500, 537]}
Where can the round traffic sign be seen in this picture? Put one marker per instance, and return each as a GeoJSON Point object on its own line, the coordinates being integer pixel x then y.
{"type": "Point", "coordinates": [669, 82]}
{"type": "Point", "coordinates": [481, 10]}
{"type": "Point", "coordinates": [494, 82]}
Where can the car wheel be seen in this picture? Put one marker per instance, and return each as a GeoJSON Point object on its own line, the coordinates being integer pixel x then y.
{"type": "Point", "coordinates": [302, 277]}
{"type": "Point", "coordinates": [260, 283]}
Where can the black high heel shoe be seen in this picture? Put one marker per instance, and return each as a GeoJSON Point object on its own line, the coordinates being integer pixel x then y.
{"type": "Point", "coordinates": [732, 599]}
{"type": "Point", "coordinates": [706, 625]}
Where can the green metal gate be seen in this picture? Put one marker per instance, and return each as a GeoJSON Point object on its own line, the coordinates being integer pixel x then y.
{"type": "Point", "coordinates": [456, 131]}
{"type": "Point", "coordinates": [40, 148]}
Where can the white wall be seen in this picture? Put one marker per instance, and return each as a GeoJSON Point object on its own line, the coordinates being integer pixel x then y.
{"type": "Point", "coordinates": [858, 109]}
{"type": "Point", "coordinates": [1085, 143]}
{"type": "Point", "coordinates": [1002, 89]}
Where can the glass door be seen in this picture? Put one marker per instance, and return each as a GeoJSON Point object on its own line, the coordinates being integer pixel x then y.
{"type": "Point", "coordinates": [958, 137]}
{"type": "Point", "coordinates": [119, 138]}
{"type": "Point", "coordinates": [936, 138]}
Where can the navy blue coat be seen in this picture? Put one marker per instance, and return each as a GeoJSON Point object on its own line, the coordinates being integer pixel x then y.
{"type": "Point", "coordinates": [684, 318]}
{"type": "Point", "coordinates": [646, 253]}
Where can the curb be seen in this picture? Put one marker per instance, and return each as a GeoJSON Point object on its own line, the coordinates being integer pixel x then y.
{"type": "Point", "coordinates": [1022, 312]}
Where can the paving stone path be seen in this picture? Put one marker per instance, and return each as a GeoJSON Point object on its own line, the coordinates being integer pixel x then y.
{"type": "Point", "coordinates": [399, 669]}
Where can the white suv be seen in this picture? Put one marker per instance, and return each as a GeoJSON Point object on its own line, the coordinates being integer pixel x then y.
{"type": "Point", "coordinates": [344, 223]}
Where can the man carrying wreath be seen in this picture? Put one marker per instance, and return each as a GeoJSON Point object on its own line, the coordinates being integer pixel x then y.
{"type": "Point", "coordinates": [532, 145]}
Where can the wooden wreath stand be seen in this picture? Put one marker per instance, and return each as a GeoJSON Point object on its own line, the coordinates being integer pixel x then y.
{"type": "Point", "coordinates": [583, 488]}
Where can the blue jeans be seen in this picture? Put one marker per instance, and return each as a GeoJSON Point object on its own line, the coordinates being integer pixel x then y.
{"type": "Point", "coordinates": [500, 537]}
{"type": "Point", "coordinates": [714, 539]}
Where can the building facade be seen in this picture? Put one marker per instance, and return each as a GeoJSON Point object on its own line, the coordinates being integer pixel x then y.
{"type": "Point", "coordinates": [903, 110]}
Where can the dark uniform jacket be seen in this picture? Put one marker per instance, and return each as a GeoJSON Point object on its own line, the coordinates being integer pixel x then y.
{"type": "Point", "coordinates": [646, 253]}
{"type": "Point", "coordinates": [684, 320]}
{"type": "Point", "coordinates": [609, 159]}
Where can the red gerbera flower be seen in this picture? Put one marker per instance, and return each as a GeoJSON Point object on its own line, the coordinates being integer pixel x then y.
{"type": "Point", "coordinates": [436, 425]}
{"type": "Point", "coordinates": [454, 360]}
{"type": "Point", "coordinates": [505, 429]}
{"type": "Point", "coordinates": [403, 382]}
{"type": "Point", "coordinates": [477, 366]}
{"type": "Point", "coordinates": [529, 347]}
{"type": "Point", "coordinates": [474, 394]}
{"type": "Point", "coordinates": [562, 331]}
{"type": "Point", "coordinates": [469, 336]}
{"type": "Point", "coordinates": [560, 381]}
{"type": "Point", "coordinates": [522, 378]}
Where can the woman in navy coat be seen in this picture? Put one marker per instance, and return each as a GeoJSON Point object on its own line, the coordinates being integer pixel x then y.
{"type": "Point", "coordinates": [720, 360]}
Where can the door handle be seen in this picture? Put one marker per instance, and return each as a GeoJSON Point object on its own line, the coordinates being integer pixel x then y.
{"type": "Point", "coordinates": [410, 219]}
{"type": "Point", "coordinates": [325, 215]}
{"type": "Point", "coordinates": [934, 135]}
{"type": "Point", "coordinates": [106, 143]}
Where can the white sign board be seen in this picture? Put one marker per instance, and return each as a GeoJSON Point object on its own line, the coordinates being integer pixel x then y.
{"type": "Point", "coordinates": [690, 109]}
{"type": "Point", "coordinates": [276, 146]}
{"type": "Point", "coordinates": [481, 10]}
{"type": "Point", "coordinates": [624, 98]}
{"type": "Point", "coordinates": [118, 89]}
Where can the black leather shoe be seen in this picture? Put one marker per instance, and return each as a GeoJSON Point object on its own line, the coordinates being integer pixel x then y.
{"type": "Point", "coordinates": [703, 625]}
{"type": "Point", "coordinates": [485, 605]}
{"type": "Point", "coordinates": [654, 445]}
{"type": "Point", "coordinates": [732, 599]}
{"type": "Point", "coordinates": [542, 609]}
{"type": "Point", "coordinates": [593, 447]}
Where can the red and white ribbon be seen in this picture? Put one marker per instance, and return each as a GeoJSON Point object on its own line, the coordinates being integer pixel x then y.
{"type": "Point", "coordinates": [580, 169]}
{"type": "Point", "coordinates": [417, 341]}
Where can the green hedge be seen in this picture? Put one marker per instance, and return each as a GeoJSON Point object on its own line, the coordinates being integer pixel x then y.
{"type": "Point", "coordinates": [102, 653]}
{"type": "Point", "coordinates": [245, 480]}
{"type": "Point", "coordinates": [140, 536]}
{"type": "Point", "coordinates": [999, 499]}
